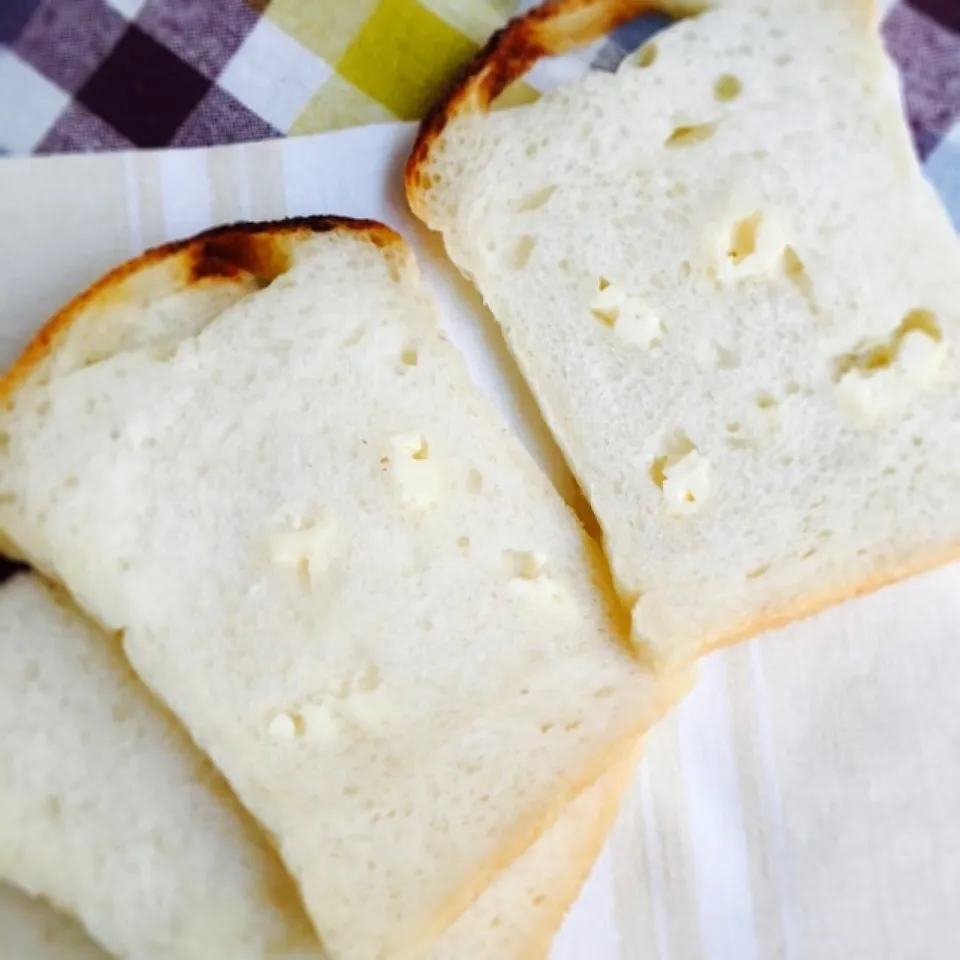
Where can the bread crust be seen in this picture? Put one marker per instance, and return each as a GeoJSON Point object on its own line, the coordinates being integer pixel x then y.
{"type": "Point", "coordinates": [223, 254]}
{"type": "Point", "coordinates": [548, 30]}
{"type": "Point", "coordinates": [810, 606]}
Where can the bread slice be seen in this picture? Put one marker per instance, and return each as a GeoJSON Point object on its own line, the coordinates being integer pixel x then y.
{"type": "Point", "coordinates": [32, 930]}
{"type": "Point", "coordinates": [88, 745]}
{"type": "Point", "coordinates": [333, 563]}
{"type": "Point", "coordinates": [734, 296]}
{"type": "Point", "coordinates": [108, 811]}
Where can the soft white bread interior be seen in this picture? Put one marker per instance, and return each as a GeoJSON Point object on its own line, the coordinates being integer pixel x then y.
{"type": "Point", "coordinates": [32, 930]}
{"type": "Point", "coordinates": [333, 563]}
{"type": "Point", "coordinates": [110, 813]}
{"type": "Point", "coordinates": [66, 676]}
{"type": "Point", "coordinates": [735, 298]}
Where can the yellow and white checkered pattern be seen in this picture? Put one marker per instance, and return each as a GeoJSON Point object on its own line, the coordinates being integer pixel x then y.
{"type": "Point", "coordinates": [315, 65]}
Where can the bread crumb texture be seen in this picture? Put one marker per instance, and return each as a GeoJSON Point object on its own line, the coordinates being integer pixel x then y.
{"type": "Point", "coordinates": [737, 302]}
{"type": "Point", "coordinates": [351, 584]}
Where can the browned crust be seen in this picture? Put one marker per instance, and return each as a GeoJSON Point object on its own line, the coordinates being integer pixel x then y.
{"type": "Point", "coordinates": [553, 28]}
{"type": "Point", "coordinates": [548, 30]}
{"type": "Point", "coordinates": [614, 784]}
{"type": "Point", "coordinates": [262, 250]}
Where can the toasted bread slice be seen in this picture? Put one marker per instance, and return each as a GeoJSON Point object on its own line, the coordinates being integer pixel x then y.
{"type": "Point", "coordinates": [733, 294]}
{"type": "Point", "coordinates": [330, 559]}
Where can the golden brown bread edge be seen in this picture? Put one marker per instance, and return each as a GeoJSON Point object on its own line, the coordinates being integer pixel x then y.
{"type": "Point", "coordinates": [551, 29]}
{"type": "Point", "coordinates": [554, 28]}
{"type": "Point", "coordinates": [234, 253]}
{"type": "Point", "coordinates": [258, 250]}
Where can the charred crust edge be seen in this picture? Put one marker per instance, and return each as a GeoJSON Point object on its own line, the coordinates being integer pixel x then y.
{"type": "Point", "coordinates": [223, 252]}
{"type": "Point", "coordinates": [552, 28]}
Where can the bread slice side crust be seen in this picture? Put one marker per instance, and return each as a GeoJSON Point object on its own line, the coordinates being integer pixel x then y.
{"type": "Point", "coordinates": [595, 809]}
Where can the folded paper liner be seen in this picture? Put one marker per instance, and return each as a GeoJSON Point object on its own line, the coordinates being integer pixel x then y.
{"type": "Point", "coordinates": [802, 802]}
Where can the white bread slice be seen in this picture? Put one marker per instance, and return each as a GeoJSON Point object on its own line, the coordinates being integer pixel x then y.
{"type": "Point", "coordinates": [734, 296]}
{"type": "Point", "coordinates": [352, 585]}
{"type": "Point", "coordinates": [108, 811]}
{"type": "Point", "coordinates": [32, 930]}
{"type": "Point", "coordinates": [88, 745]}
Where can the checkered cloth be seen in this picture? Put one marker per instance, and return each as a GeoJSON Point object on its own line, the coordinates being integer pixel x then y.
{"type": "Point", "coordinates": [83, 75]}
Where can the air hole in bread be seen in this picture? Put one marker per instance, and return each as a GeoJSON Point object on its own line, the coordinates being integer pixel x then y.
{"type": "Point", "coordinates": [690, 135]}
{"type": "Point", "coordinates": [521, 252]}
{"type": "Point", "coordinates": [409, 357]}
{"type": "Point", "coordinates": [733, 427]}
{"type": "Point", "coordinates": [525, 564]}
{"type": "Point", "coordinates": [807, 554]}
{"type": "Point", "coordinates": [743, 238]}
{"type": "Point", "coordinates": [547, 727]}
{"type": "Point", "coordinates": [727, 359]}
{"type": "Point", "coordinates": [572, 725]}
{"type": "Point", "coordinates": [727, 87]}
{"type": "Point", "coordinates": [423, 452]}
{"type": "Point", "coordinates": [674, 447]}
{"type": "Point", "coordinates": [7, 499]}
{"type": "Point", "coordinates": [43, 408]}
{"type": "Point", "coordinates": [463, 543]}
{"type": "Point", "coordinates": [475, 481]}
{"type": "Point", "coordinates": [792, 388]}
{"type": "Point", "coordinates": [537, 199]}
{"type": "Point", "coordinates": [677, 190]}
{"type": "Point", "coordinates": [647, 55]}
{"type": "Point", "coordinates": [758, 572]}
{"type": "Point", "coordinates": [539, 899]}
{"type": "Point", "coordinates": [4, 441]}
{"type": "Point", "coordinates": [871, 358]}
{"type": "Point", "coordinates": [765, 401]}
{"type": "Point", "coordinates": [783, 60]}
{"type": "Point", "coordinates": [920, 321]}
{"type": "Point", "coordinates": [603, 692]}
{"type": "Point", "coordinates": [682, 474]}
{"type": "Point", "coordinates": [797, 274]}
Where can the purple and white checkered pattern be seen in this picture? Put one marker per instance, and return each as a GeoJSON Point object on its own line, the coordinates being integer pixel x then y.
{"type": "Point", "coordinates": [99, 75]}
{"type": "Point", "coordinates": [82, 75]}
